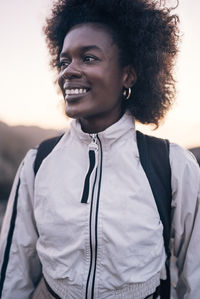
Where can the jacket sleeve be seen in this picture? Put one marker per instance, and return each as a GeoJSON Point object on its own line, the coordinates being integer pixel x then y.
{"type": "Point", "coordinates": [19, 264]}
{"type": "Point", "coordinates": [186, 221]}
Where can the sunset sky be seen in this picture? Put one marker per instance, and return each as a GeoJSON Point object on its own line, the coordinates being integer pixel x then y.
{"type": "Point", "coordinates": [28, 95]}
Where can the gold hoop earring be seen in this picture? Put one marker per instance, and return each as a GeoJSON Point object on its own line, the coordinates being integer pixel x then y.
{"type": "Point", "coordinates": [127, 93]}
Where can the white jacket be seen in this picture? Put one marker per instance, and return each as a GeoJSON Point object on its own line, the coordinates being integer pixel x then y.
{"type": "Point", "coordinates": [111, 246]}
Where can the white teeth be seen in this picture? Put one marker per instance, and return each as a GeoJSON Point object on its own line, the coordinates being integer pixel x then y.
{"type": "Point", "coordinates": [75, 91]}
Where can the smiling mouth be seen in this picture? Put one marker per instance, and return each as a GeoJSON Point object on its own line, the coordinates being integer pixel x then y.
{"type": "Point", "coordinates": [73, 92]}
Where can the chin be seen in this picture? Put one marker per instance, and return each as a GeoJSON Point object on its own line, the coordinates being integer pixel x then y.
{"type": "Point", "coordinates": [71, 114]}
{"type": "Point", "coordinates": [74, 113]}
{"type": "Point", "coordinates": [79, 112]}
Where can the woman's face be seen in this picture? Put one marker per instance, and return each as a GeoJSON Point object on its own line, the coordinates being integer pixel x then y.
{"type": "Point", "coordinates": [91, 78]}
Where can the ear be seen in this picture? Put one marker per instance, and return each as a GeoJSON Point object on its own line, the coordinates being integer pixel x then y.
{"type": "Point", "coordinates": [129, 77]}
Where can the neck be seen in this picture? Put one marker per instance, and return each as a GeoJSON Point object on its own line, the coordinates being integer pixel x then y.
{"type": "Point", "coordinates": [95, 125]}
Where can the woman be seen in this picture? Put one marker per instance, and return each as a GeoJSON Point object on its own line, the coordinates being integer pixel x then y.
{"type": "Point", "coordinates": [87, 225]}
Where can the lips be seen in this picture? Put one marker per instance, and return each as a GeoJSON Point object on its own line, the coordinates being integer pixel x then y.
{"type": "Point", "coordinates": [75, 91]}
{"type": "Point", "coordinates": [72, 91]}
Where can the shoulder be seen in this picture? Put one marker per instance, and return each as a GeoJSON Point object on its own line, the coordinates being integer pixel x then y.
{"type": "Point", "coordinates": [185, 179]}
{"type": "Point", "coordinates": [26, 168]}
{"type": "Point", "coordinates": [23, 184]}
{"type": "Point", "coordinates": [182, 160]}
{"type": "Point", "coordinates": [181, 155]}
{"type": "Point", "coordinates": [30, 157]}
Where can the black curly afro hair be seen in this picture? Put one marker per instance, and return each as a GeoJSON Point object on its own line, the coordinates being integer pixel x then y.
{"type": "Point", "coordinates": [147, 35]}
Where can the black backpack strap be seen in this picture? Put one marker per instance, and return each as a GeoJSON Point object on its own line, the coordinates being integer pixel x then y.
{"type": "Point", "coordinates": [154, 157]}
{"type": "Point", "coordinates": [44, 150]}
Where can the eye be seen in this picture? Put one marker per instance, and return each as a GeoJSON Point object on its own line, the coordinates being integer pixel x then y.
{"type": "Point", "coordinates": [89, 58]}
{"type": "Point", "coordinates": [63, 64]}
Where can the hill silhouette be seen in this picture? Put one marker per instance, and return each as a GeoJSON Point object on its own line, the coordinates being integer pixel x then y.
{"type": "Point", "coordinates": [196, 153]}
{"type": "Point", "coordinates": [15, 141]}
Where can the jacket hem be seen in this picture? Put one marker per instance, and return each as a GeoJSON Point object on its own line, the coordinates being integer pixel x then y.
{"type": "Point", "coordinates": [132, 291]}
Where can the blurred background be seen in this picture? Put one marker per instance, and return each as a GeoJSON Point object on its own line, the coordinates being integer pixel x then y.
{"type": "Point", "coordinates": [30, 107]}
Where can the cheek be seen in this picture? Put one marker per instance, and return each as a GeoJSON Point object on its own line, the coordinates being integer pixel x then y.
{"type": "Point", "coordinates": [107, 80]}
{"type": "Point", "coordinates": [112, 87]}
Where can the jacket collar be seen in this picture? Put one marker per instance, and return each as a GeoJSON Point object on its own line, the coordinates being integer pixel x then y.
{"type": "Point", "coordinates": [115, 131]}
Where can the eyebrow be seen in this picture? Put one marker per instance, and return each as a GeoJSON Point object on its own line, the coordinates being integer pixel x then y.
{"type": "Point", "coordinates": [92, 47]}
{"type": "Point", "coordinates": [85, 49]}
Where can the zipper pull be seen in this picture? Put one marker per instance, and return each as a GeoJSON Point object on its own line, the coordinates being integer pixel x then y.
{"type": "Point", "coordinates": [93, 144]}
{"type": "Point", "coordinates": [93, 150]}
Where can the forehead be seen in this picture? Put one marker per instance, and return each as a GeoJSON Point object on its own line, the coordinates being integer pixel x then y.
{"type": "Point", "coordinates": [84, 35]}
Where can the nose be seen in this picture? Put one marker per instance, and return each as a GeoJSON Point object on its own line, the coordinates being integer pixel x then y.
{"type": "Point", "coordinates": [71, 71]}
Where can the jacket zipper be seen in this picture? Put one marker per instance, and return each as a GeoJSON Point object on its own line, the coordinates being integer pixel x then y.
{"type": "Point", "coordinates": [93, 223]}
{"type": "Point", "coordinates": [93, 161]}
